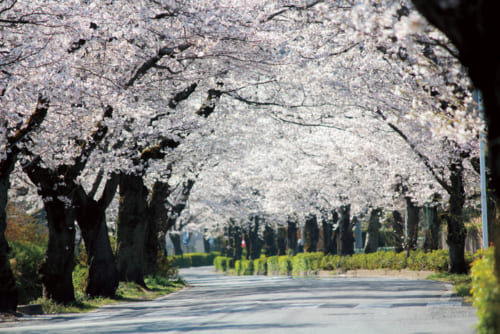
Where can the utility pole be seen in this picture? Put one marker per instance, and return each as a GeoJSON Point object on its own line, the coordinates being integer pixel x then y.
{"type": "Point", "coordinates": [482, 166]}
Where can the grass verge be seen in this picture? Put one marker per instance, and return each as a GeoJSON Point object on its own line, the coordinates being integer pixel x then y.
{"type": "Point", "coordinates": [462, 283]}
{"type": "Point", "coordinates": [126, 292]}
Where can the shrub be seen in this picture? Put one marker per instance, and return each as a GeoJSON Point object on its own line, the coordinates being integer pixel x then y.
{"type": "Point", "coordinates": [182, 261]}
{"type": "Point", "coordinates": [285, 265]}
{"type": "Point", "coordinates": [273, 265]}
{"type": "Point", "coordinates": [223, 263]}
{"type": "Point", "coordinates": [194, 259]}
{"type": "Point", "coordinates": [166, 267]}
{"type": "Point", "coordinates": [260, 266]}
{"type": "Point", "coordinates": [299, 264]}
{"type": "Point", "coordinates": [485, 292]}
{"type": "Point", "coordinates": [246, 267]}
{"type": "Point", "coordinates": [330, 262]}
{"type": "Point", "coordinates": [25, 262]}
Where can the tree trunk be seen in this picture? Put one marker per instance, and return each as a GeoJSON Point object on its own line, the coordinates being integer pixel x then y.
{"type": "Point", "coordinates": [157, 229]}
{"type": "Point", "coordinates": [329, 245]}
{"type": "Point", "coordinates": [176, 241]}
{"type": "Point", "coordinates": [311, 234]}
{"type": "Point", "coordinates": [412, 212]}
{"type": "Point", "coordinates": [57, 267]}
{"type": "Point", "coordinates": [398, 230]}
{"type": "Point", "coordinates": [281, 240]}
{"type": "Point", "coordinates": [254, 241]}
{"type": "Point", "coordinates": [493, 216]}
{"type": "Point", "coordinates": [103, 275]}
{"type": "Point", "coordinates": [237, 237]}
{"type": "Point", "coordinates": [454, 218]}
{"type": "Point", "coordinates": [345, 240]}
{"type": "Point", "coordinates": [371, 244]}
{"type": "Point", "coordinates": [292, 235]}
{"type": "Point", "coordinates": [206, 244]}
{"type": "Point", "coordinates": [133, 220]}
{"type": "Point", "coordinates": [270, 248]}
{"type": "Point", "coordinates": [91, 218]}
{"type": "Point", "coordinates": [8, 289]}
{"type": "Point", "coordinates": [431, 241]}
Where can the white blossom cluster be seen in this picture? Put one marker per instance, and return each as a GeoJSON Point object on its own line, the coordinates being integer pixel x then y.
{"type": "Point", "coordinates": [298, 127]}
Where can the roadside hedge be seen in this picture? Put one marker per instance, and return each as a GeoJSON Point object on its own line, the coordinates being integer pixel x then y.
{"type": "Point", "coordinates": [193, 259]}
{"type": "Point", "coordinates": [485, 292]}
{"type": "Point", "coordinates": [311, 263]}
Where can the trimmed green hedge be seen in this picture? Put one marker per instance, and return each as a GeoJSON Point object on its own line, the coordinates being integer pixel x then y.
{"type": "Point", "coordinates": [485, 292]}
{"type": "Point", "coordinates": [310, 263]}
{"type": "Point", "coordinates": [194, 259]}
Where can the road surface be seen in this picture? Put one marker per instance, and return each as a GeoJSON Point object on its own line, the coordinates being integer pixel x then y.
{"type": "Point", "coordinates": [261, 304]}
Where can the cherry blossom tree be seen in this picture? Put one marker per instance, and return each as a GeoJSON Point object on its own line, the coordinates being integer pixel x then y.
{"type": "Point", "coordinates": [471, 27]}
{"type": "Point", "coordinates": [12, 140]}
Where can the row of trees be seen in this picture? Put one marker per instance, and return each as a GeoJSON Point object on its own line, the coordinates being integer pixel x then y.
{"type": "Point", "coordinates": [333, 230]}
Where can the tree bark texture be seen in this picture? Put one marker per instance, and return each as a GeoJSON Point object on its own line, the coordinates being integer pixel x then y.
{"type": "Point", "coordinates": [372, 235]}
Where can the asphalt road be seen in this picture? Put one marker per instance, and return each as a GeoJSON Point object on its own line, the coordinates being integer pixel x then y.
{"type": "Point", "coordinates": [260, 304]}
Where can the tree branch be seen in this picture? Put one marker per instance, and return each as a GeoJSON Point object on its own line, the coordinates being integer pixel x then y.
{"type": "Point", "coordinates": [413, 147]}
{"type": "Point", "coordinates": [151, 62]}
